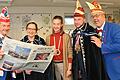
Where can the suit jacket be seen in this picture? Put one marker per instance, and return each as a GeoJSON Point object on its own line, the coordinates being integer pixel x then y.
{"type": "Point", "coordinates": [111, 49]}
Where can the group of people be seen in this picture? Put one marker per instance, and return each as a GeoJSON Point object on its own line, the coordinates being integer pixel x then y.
{"type": "Point", "coordinates": [88, 54]}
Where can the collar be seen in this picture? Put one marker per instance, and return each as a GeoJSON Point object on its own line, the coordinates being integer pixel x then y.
{"type": "Point", "coordinates": [101, 28]}
{"type": "Point", "coordinates": [82, 27]}
{"type": "Point", "coordinates": [1, 36]}
{"type": "Point", "coordinates": [57, 33]}
{"type": "Point", "coordinates": [26, 37]}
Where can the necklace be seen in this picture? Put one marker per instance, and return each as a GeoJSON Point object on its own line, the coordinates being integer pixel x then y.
{"type": "Point", "coordinates": [58, 48]}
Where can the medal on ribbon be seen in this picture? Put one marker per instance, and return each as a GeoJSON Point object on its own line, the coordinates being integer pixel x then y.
{"type": "Point", "coordinates": [57, 50]}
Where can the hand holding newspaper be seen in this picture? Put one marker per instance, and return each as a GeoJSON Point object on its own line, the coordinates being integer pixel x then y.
{"type": "Point", "coordinates": [25, 56]}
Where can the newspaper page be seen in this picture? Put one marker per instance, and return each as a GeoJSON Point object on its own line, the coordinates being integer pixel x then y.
{"type": "Point", "coordinates": [25, 56]}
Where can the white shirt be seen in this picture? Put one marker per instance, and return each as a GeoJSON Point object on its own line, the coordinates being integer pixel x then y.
{"type": "Point", "coordinates": [101, 28]}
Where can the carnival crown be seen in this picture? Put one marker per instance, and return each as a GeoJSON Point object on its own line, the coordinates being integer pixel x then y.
{"type": "Point", "coordinates": [79, 11]}
{"type": "Point", "coordinates": [94, 7]}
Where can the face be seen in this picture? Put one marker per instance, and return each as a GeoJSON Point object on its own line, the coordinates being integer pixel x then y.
{"type": "Point", "coordinates": [78, 21]}
{"type": "Point", "coordinates": [57, 25]}
{"type": "Point", "coordinates": [4, 28]}
{"type": "Point", "coordinates": [98, 18]}
{"type": "Point", "coordinates": [31, 30]}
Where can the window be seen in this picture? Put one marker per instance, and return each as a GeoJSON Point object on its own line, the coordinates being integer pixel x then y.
{"type": "Point", "coordinates": [69, 20]}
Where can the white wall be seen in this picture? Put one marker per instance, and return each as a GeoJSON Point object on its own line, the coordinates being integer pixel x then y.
{"type": "Point", "coordinates": [16, 31]}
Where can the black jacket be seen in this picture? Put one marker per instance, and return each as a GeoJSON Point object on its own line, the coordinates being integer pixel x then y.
{"type": "Point", "coordinates": [38, 40]}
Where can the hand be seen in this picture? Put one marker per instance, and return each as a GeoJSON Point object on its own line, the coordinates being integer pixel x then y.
{"type": "Point", "coordinates": [68, 73]}
{"type": "Point", "coordinates": [96, 40]}
{"type": "Point", "coordinates": [69, 70]}
{"type": "Point", "coordinates": [28, 71]}
{"type": "Point", "coordinates": [1, 54]}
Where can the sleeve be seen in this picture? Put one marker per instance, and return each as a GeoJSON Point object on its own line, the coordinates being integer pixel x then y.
{"type": "Point", "coordinates": [24, 38]}
{"type": "Point", "coordinates": [43, 41]}
{"type": "Point", "coordinates": [69, 47]}
{"type": "Point", "coordinates": [113, 45]}
{"type": "Point", "coordinates": [48, 40]}
{"type": "Point", "coordinates": [21, 40]}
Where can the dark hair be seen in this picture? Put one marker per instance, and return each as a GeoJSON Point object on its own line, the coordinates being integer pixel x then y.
{"type": "Point", "coordinates": [32, 23]}
{"type": "Point", "coordinates": [58, 17]}
{"type": "Point", "coordinates": [61, 19]}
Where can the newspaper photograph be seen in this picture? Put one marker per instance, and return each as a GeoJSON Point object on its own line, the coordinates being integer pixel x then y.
{"type": "Point", "coordinates": [25, 56]}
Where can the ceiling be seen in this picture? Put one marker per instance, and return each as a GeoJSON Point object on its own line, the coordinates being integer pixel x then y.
{"type": "Point", "coordinates": [61, 3]}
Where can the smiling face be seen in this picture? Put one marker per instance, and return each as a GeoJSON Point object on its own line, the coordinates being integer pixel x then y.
{"type": "Point", "coordinates": [4, 28]}
{"type": "Point", "coordinates": [78, 21]}
{"type": "Point", "coordinates": [57, 25]}
{"type": "Point", "coordinates": [31, 30]}
{"type": "Point", "coordinates": [98, 18]}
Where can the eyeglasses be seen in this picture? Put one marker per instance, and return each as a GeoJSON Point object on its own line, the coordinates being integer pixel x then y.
{"type": "Point", "coordinates": [5, 25]}
{"type": "Point", "coordinates": [96, 15]}
{"type": "Point", "coordinates": [31, 29]}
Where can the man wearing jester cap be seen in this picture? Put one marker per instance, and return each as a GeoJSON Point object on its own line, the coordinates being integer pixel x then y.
{"type": "Point", "coordinates": [109, 43]}
{"type": "Point", "coordinates": [4, 29]}
{"type": "Point", "coordinates": [87, 60]}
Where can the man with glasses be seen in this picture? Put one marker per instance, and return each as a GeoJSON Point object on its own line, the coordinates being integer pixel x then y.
{"type": "Point", "coordinates": [109, 42]}
{"type": "Point", "coordinates": [4, 29]}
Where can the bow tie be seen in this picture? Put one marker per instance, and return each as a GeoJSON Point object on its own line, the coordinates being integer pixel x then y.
{"type": "Point", "coordinates": [99, 30]}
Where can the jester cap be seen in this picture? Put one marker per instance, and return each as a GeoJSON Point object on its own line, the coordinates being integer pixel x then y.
{"type": "Point", "coordinates": [4, 16]}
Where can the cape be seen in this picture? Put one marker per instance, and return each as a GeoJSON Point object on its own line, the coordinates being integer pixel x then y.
{"type": "Point", "coordinates": [92, 68]}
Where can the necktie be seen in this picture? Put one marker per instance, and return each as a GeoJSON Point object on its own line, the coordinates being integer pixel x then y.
{"type": "Point", "coordinates": [77, 45]}
{"type": "Point", "coordinates": [98, 31]}
{"type": "Point", "coordinates": [77, 39]}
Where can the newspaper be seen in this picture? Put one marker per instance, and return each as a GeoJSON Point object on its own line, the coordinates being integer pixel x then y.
{"type": "Point", "coordinates": [25, 56]}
